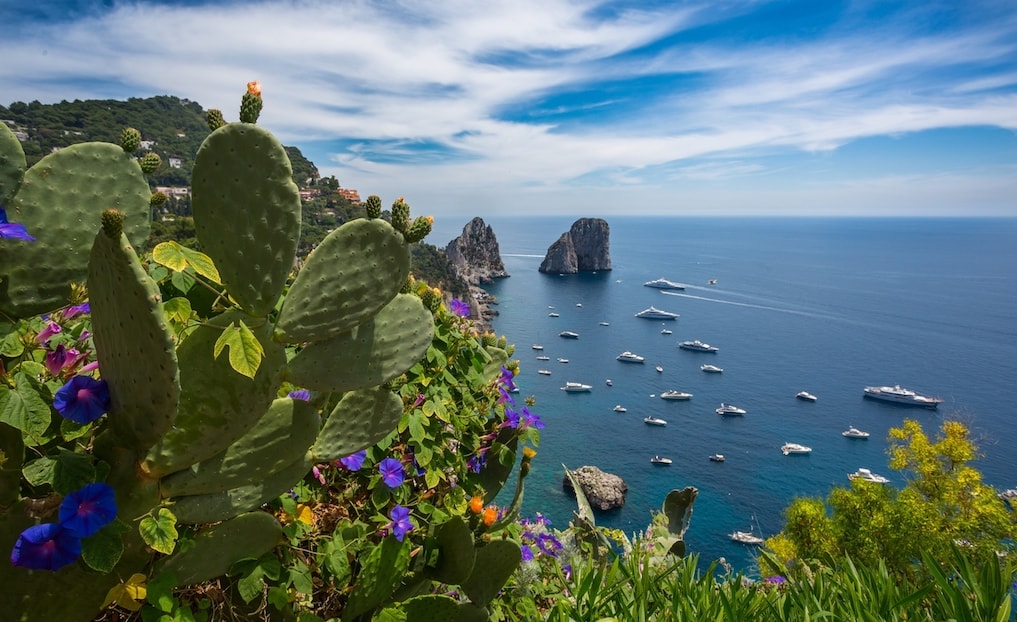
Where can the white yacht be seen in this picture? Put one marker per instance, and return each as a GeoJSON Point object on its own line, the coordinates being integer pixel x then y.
{"type": "Point", "coordinates": [608, 382]}
{"type": "Point", "coordinates": [853, 432]}
{"type": "Point", "coordinates": [552, 314]}
{"type": "Point", "coordinates": [619, 409]}
{"type": "Point", "coordinates": [568, 334]}
{"type": "Point", "coordinates": [868, 476]}
{"type": "Point", "coordinates": [675, 395]}
{"type": "Point", "coordinates": [659, 460]}
{"type": "Point", "coordinates": [629, 357]}
{"type": "Point", "coordinates": [729, 409]}
{"type": "Point", "coordinates": [717, 457]}
{"type": "Point", "coordinates": [543, 357]}
{"type": "Point", "coordinates": [805, 395]}
{"type": "Point", "coordinates": [654, 421]}
{"type": "Point", "coordinates": [697, 346]}
{"type": "Point", "coordinates": [663, 284]}
{"type": "Point", "coordinates": [665, 331]}
{"type": "Point", "coordinates": [576, 387]}
{"type": "Point", "coordinates": [653, 313]}
{"type": "Point", "coordinates": [746, 537]}
{"type": "Point", "coordinates": [605, 323]}
{"type": "Point", "coordinates": [544, 372]}
{"type": "Point", "coordinates": [537, 346]}
{"type": "Point", "coordinates": [659, 369]}
{"type": "Point", "coordinates": [711, 369]}
{"type": "Point", "coordinates": [794, 448]}
{"type": "Point", "coordinates": [561, 360]}
{"type": "Point", "coordinates": [900, 395]}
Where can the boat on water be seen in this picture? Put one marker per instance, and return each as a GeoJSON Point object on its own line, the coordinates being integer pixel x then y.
{"type": "Point", "coordinates": [717, 457]}
{"type": "Point", "coordinates": [543, 358]}
{"type": "Point", "coordinates": [868, 476]}
{"type": "Point", "coordinates": [579, 304]}
{"type": "Point", "coordinates": [552, 314]}
{"type": "Point", "coordinates": [608, 382]}
{"type": "Point", "coordinates": [630, 357]}
{"type": "Point", "coordinates": [568, 334]}
{"type": "Point", "coordinates": [605, 323]}
{"type": "Point", "coordinates": [537, 346]}
{"type": "Point", "coordinates": [663, 284]}
{"type": "Point", "coordinates": [576, 387]}
{"type": "Point", "coordinates": [729, 409]}
{"type": "Point", "coordinates": [853, 432]}
{"type": "Point", "coordinates": [794, 448]}
{"type": "Point", "coordinates": [654, 421]}
{"type": "Point", "coordinates": [675, 395]}
{"type": "Point", "coordinates": [659, 460]}
{"type": "Point", "coordinates": [665, 331]}
{"type": "Point", "coordinates": [544, 372]}
{"type": "Point", "coordinates": [899, 395]}
{"type": "Point", "coordinates": [653, 313]}
{"type": "Point", "coordinates": [805, 395]}
{"type": "Point", "coordinates": [711, 369]}
{"type": "Point", "coordinates": [697, 346]}
{"type": "Point", "coordinates": [561, 360]}
{"type": "Point", "coordinates": [659, 369]}
{"type": "Point", "coordinates": [712, 281]}
{"type": "Point", "coordinates": [619, 409]}
{"type": "Point", "coordinates": [746, 537]}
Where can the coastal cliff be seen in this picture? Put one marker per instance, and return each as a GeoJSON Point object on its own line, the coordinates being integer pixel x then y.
{"type": "Point", "coordinates": [476, 259]}
{"type": "Point", "coordinates": [585, 247]}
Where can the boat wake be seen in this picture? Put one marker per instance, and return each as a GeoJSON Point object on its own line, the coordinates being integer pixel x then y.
{"type": "Point", "coordinates": [756, 306]}
{"type": "Point", "coordinates": [521, 255]}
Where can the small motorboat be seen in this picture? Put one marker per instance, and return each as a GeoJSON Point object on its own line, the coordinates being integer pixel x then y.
{"type": "Point", "coordinates": [660, 369]}
{"type": "Point", "coordinates": [853, 432]}
{"type": "Point", "coordinates": [604, 324]}
{"type": "Point", "coordinates": [654, 421]}
{"type": "Point", "coordinates": [794, 448]}
{"type": "Point", "coordinates": [659, 460]}
{"type": "Point", "coordinates": [717, 457]}
{"type": "Point", "coordinates": [620, 409]}
{"type": "Point", "coordinates": [552, 314]}
{"type": "Point", "coordinates": [544, 372]}
{"type": "Point", "coordinates": [537, 346]}
{"type": "Point", "coordinates": [729, 409]}
{"type": "Point", "coordinates": [712, 369]}
{"type": "Point", "coordinates": [665, 331]}
{"type": "Point", "coordinates": [543, 358]}
{"type": "Point", "coordinates": [561, 360]}
{"type": "Point", "coordinates": [805, 395]}
{"type": "Point", "coordinates": [608, 382]}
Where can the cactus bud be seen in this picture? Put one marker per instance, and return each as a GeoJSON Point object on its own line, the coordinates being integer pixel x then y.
{"type": "Point", "coordinates": [130, 139]}
{"type": "Point", "coordinates": [502, 342]}
{"type": "Point", "coordinates": [215, 120]}
{"type": "Point", "coordinates": [419, 229]}
{"type": "Point", "coordinates": [112, 222]}
{"type": "Point", "coordinates": [510, 349]}
{"type": "Point", "coordinates": [400, 215]}
{"type": "Point", "coordinates": [373, 206]}
{"type": "Point", "coordinates": [250, 105]}
{"type": "Point", "coordinates": [150, 162]}
{"type": "Point", "coordinates": [431, 300]}
{"type": "Point", "coordinates": [487, 339]}
{"type": "Point", "coordinates": [158, 198]}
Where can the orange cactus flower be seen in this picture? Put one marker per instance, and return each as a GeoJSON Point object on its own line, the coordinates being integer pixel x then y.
{"type": "Point", "coordinates": [490, 515]}
{"type": "Point", "coordinates": [254, 88]}
{"type": "Point", "coordinates": [477, 504]}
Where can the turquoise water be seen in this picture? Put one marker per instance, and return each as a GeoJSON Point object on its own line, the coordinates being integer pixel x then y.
{"type": "Point", "coordinates": [823, 305]}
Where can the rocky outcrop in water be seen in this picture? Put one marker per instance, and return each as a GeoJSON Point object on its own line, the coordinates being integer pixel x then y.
{"type": "Point", "coordinates": [586, 247]}
{"type": "Point", "coordinates": [475, 254]}
{"type": "Point", "coordinates": [603, 490]}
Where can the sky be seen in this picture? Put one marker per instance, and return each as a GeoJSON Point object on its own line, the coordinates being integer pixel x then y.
{"type": "Point", "coordinates": [577, 107]}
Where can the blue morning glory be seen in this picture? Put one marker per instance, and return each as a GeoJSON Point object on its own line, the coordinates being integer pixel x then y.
{"type": "Point", "coordinates": [86, 511]}
{"type": "Point", "coordinates": [353, 462]}
{"type": "Point", "coordinates": [459, 307]}
{"type": "Point", "coordinates": [400, 524]}
{"type": "Point", "coordinates": [391, 472]}
{"type": "Point", "coordinates": [45, 547]}
{"type": "Point", "coordinates": [12, 230]}
{"type": "Point", "coordinates": [83, 399]}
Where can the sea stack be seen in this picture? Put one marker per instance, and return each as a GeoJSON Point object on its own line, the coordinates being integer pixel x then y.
{"type": "Point", "coordinates": [586, 247]}
{"type": "Point", "coordinates": [475, 254]}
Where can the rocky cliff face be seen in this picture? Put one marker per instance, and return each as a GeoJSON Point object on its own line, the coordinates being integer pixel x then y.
{"type": "Point", "coordinates": [586, 247]}
{"type": "Point", "coordinates": [475, 254]}
{"type": "Point", "coordinates": [604, 491]}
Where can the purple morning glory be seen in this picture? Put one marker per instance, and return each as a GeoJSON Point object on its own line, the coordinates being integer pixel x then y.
{"type": "Point", "coordinates": [511, 419]}
{"type": "Point", "coordinates": [51, 329]}
{"type": "Point", "coordinates": [460, 308]}
{"type": "Point", "coordinates": [88, 510]}
{"type": "Point", "coordinates": [353, 462]}
{"type": "Point", "coordinates": [507, 378]}
{"type": "Point", "coordinates": [83, 399]}
{"type": "Point", "coordinates": [527, 553]}
{"type": "Point", "coordinates": [531, 419]}
{"type": "Point", "coordinates": [70, 312]}
{"type": "Point", "coordinates": [476, 463]}
{"type": "Point", "coordinates": [391, 472]}
{"type": "Point", "coordinates": [45, 547]}
{"type": "Point", "coordinates": [11, 230]}
{"type": "Point", "coordinates": [56, 359]}
{"type": "Point", "coordinates": [301, 394]}
{"type": "Point", "coordinates": [400, 524]}
{"type": "Point", "coordinates": [776, 580]}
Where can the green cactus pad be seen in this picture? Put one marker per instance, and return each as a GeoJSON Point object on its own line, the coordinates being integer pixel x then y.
{"type": "Point", "coordinates": [59, 202]}
{"type": "Point", "coordinates": [247, 212]}
{"type": "Point", "coordinates": [468, 612]}
{"type": "Point", "coordinates": [133, 343]}
{"type": "Point", "coordinates": [372, 353]}
{"type": "Point", "coordinates": [380, 574]}
{"type": "Point", "coordinates": [678, 509]}
{"type": "Point", "coordinates": [217, 404]}
{"type": "Point", "coordinates": [12, 166]}
{"type": "Point", "coordinates": [494, 565]}
{"type": "Point", "coordinates": [359, 420]}
{"type": "Point", "coordinates": [276, 440]}
{"type": "Point", "coordinates": [456, 552]}
{"type": "Point", "coordinates": [215, 550]}
{"type": "Point", "coordinates": [430, 608]}
{"type": "Point", "coordinates": [492, 368]}
{"type": "Point", "coordinates": [193, 509]}
{"type": "Point", "coordinates": [354, 272]}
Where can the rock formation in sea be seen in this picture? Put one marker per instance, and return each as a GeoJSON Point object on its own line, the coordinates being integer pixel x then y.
{"type": "Point", "coordinates": [586, 247]}
{"type": "Point", "coordinates": [476, 259]}
{"type": "Point", "coordinates": [603, 490]}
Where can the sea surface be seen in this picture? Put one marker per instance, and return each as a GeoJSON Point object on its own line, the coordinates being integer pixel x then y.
{"type": "Point", "coordinates": [823, 305]}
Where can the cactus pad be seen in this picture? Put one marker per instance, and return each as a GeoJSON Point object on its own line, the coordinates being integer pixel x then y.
{"type": "Point", "coordinates": [247, 212]}
{"type": "Point", "coordinates": [372, 353]}
{"type": "Point", "coordinates": [359, 420]}
{"type": "Point", "coordinates": [456, 552]}
{"type": "Point", "coordinates": [12, 165]}
{"type": "Point", "coordinates": [278, 439]}
{"type": "Point", "coordinates": [217, 404]}
{"type": "Point", "coordinates": [133, 342]}
{"type": "Point", "coordinates": [495, 564]}
{"type": "Point", "coordinates": [59, 202]}
{"type": "Point", "coordinates": [354, 272]}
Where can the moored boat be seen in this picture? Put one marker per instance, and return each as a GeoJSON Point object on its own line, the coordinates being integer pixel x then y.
{"type": "Point", "coordinates": [552, 314]}
{"type": "Point", "coordinates": [659, 369]}
{"type": "Point", "coordinates": [660, 460]}
{"type": "Point", "coordinates": [853, 432]}
{"type": "Point", "coordinates": [868, 476]}
{"type": "Point", "coordinates": [697, 346]}
{"type": "Point", "coordinates": [576, 387]}
{"type": "Point", "coordinates": [663, 284]}
{"type": "Point", "coordinates": [712, 369]}
{"type": "Point", "coordinates": [654, 421]}
{"type": "Point", "coordinates": [543, 358]}
{"type": "Point", "coordinates": [537, 346]}
{"type": "Point", "coordinates": [805, 395]}
{"type": "Point", "coordinates": [729, 409]}
{"type": "Point", "coordinates": [561, 360]}
{"type": "Point", "coordinates": [795, 448]}
{"type": "Point", "coordinates": [568, 334]}
{"type": "Point", "coordinates": [899, 395]}
{"type": "Point", "coordinates": [544, 372]}
{"type": "Point", "coordinates": [665, 331]}
{"type": "Point", "coordinates": [675, 395]}
{"type": "Point", "coordinates": [653, 313]}
{"type": "Point", "coordinates": [619, 409]}
{"type": "Point", "coordinates": [717, 457]}
{"type": "Point", "coordinates": [630, 357]}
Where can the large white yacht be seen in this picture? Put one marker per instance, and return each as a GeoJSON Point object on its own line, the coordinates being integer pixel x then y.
{"type": "Point", "coordinates": [675, 395]}
{"type": "Point", "coordinates": [794, 448]}
{"type": "Point", "coordinates": [729, 409]}
{"type": "Point", "coordinates": [654, 421]}
{"type": "Point", "coordinates": [900, 395]}
{"type": "Point", "coordinates": [868, 476]}
{"type": "Point", "coordinates": [576, 387]}
{"type": "Point", "coordinates": [806, 396]}
{"type": "Point", "coordinates": [568, 334]}
{"type": "Point", "coordinates": [746, 537]}
{"type": "Point", "coordinates": [697, 346]}
{"type": "Point", "coordinates": [653, 313]}
{"type": "Point", "coordinates": [712, 369]}
{"type": "Point", "coordinates": [853, 432]}
{"type": "Point", "coordinates": [629, 357]}
{"type": "Point", "coordinates": [663, 284]}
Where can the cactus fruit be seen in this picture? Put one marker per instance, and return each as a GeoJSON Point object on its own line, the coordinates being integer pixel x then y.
{"type": "Point", "coordinates": [373, 206]}
{"type": "Point", "coordinates": [158, 198]}
{"type": "Point", "coordinates": [215, 119]}
{"type": "Point", "coordinates": [150, 162]}
{"type": "Point", "coordinates": [400, 215]}
{"type": "Point", "coordinates": [130, 139]}
{"type": "Point", "coordinates": [250, 104]}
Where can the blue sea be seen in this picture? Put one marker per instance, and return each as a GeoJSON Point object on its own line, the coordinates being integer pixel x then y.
{"type": "Point", "coordinates": [823, 305]}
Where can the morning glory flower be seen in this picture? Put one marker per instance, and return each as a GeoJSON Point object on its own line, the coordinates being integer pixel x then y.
{"type": "Point", "coordinates": [70, 312]}
{"type": "Point", "coordinates": [400, 524]}
{"type": "Point", "coordinates": [527, 553]}
{"type": "Point", "coordinates": [459, 307]}
{"type": "Point", "coordinates": [776, 580]}
{"type": "Point", "coordinates": [353, 462]}
{"type": "Point", "coordinates": [83, 399]}
{"type": "Point", "coordinates": [56, 359]}
{"type": "Point", "coordinates": [88, 510]}
{"type": "Point", "coordinates": [11, 230]}
{"type": "Point", "coordinates": [476, 463]}
{"type": "Point", "coordinates": [45, 547]}
{"type": "Point", "coordinates": [531, 419]}
{"type": "Point", "coordinates": [507, 378]}
{"type": "Point", "coordinates": [51, 329]}
{"type": "Point", "coordinates": [391, 472]}
{"type": "Point", "coordinates": [301, 394]}
{"type": "Point", "coordinates": [511, 419]}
